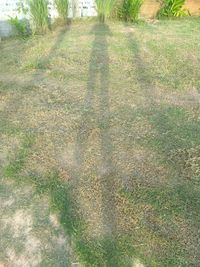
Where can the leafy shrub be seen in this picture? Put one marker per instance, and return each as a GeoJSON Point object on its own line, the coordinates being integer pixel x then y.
{"type": "Point", "coordinates": [172, 8]}
{"type": "Point", "coordinates": [131, 9]}
{"type": "Point", "coordinates": [104, 8]}
{"type": "Point", "coordinates": [39, 14]}
{"type": "Point", "coordinates": [62, 8]}
{"type": "Point", "coordinates": [20, 26]}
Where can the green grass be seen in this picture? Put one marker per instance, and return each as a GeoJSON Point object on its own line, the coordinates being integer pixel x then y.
{"type": "Point", "coordinates": [104, 8]}
{"type": "Point", "coordinates": [39, 15]}
{"type": "Point", "coordinates": [62, 8]}
{"type": "Point", "coordinates": [105, 141]}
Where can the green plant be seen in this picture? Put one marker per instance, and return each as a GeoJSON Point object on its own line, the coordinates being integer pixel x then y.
{"type": "Point", "coordinates": [62, 8]}
{"type": "Point", "coordinates": [39, 14]}
{"type": "Point", "coordinates": [172, 8]}
{"type": "Point", "coordinates": [104, 8]}
{"type": "Point", "coordinates": [130, 9]}
{"type": "Point", "coordinates": [20, 26]}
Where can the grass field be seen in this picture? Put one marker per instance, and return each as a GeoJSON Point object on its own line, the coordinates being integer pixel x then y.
{"type": "Point", "coordinates": [100, 146]}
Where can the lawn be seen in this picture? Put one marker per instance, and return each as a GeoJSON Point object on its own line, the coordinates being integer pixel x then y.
{"type": "Point", "coordinates": [100, 146]}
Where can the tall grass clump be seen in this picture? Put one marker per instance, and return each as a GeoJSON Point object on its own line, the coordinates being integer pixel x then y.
{"type": "Point", "coordinates": [172, 8]}
{"type": "Point", "coordinates": [130, 10]}
{"type": "Point", "coordinates": [39, 14]}
{"type": "Point", "coordinates": [104, 8]}
{"type": "Point", "coordinates": [62, 8]}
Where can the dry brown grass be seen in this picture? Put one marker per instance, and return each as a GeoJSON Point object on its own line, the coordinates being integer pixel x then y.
{"type": "Point", "coordinates": [107, 106]}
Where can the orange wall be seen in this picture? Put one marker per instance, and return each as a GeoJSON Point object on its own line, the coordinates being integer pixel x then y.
{"type": "Point", "coordinates": [150, 7]}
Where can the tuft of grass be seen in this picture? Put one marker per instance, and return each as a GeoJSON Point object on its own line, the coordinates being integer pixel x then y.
{"type": "Point", "coordinates": [39, 15]}
{"type": "Point", "coordinates": [130, 9]}
{"type": "Point", "coordinates": [104, 9]}
{"type": "Point", "coordinates": [62, 7]}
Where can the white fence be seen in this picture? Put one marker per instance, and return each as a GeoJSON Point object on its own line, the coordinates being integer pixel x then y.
{"type": "Point", "coordinates": [9, 8]}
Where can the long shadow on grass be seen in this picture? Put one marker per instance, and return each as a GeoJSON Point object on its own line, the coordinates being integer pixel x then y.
{"type": "Point", "coordinates": [102, 249]}
{"type": "Point", "coordinates": [173, 130]}
{"type": "Point", "coordinates": [12, 107]}
{"type": "Point", "coordinates": [59, 193]}
{"type": "Point", "coordinates": [98, 87]}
